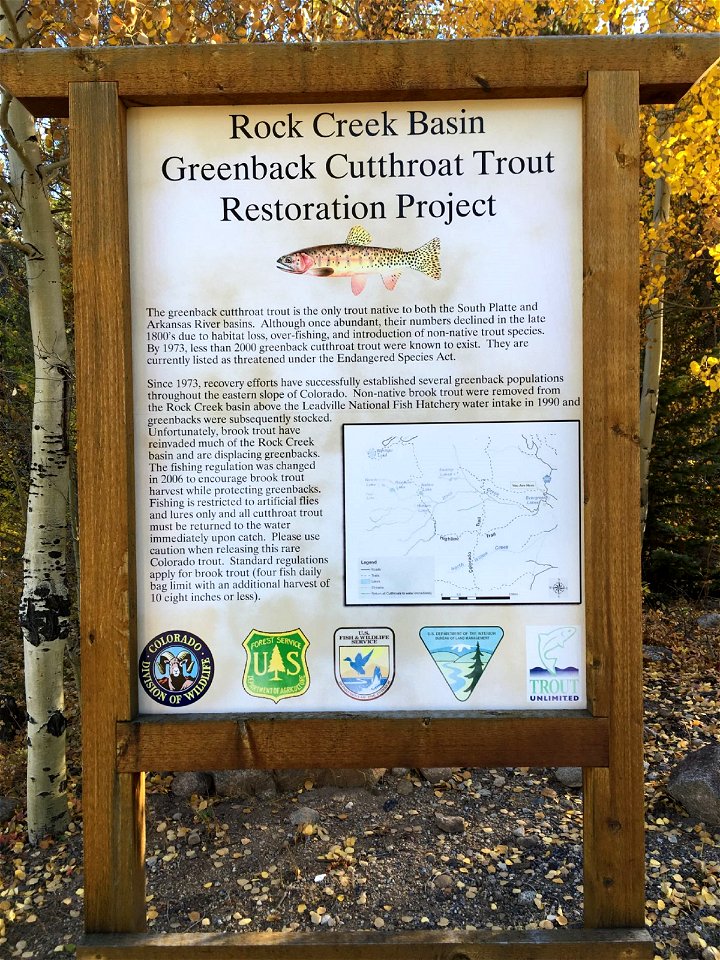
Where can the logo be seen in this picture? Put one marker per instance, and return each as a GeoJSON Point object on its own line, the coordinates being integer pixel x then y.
{"type": "Point", "coordinates": [553, 658]}
{"type": "Point", "coordinates": [276, 667]}
{"type": "Point", "coordinates": [176, 668]}
{"type": "Point", "coordinates": [461, 654]}
{"type": "Point", "coordinates": [364, 661]}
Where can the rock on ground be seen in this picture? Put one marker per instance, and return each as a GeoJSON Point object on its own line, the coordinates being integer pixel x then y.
{"type": "Point", "coordinates": [267, 783]}
{"type": "Point", "coordinates": [569, 776]}
{"type": "Point", "coordinates": [655, 653]}
{"type": "Point", "coordinates": [709, 621]}
{"type": "Point", "coordinates": [437, 775]}
{"type": "Point", "coordinates": [695, 783]}
{"type": "Point", "coordinates": [244, 783]}
{"type": "Point", "coordinates": [187, 784]}
{"type": "Point", "coordinates": [291, 780]}
{"type": "Point", "coordinates": [8, 806]}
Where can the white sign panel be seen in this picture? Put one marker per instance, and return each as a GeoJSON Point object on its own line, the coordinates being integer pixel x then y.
{"type": "Point", "coordinates": [357, 349]}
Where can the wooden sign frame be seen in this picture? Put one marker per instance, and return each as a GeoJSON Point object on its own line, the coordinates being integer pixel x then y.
{"type": "Point", "coordinates": [612, 76]}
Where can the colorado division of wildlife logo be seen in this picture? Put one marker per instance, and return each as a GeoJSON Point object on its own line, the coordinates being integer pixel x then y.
{"type": "Point", "coordinates": [176, 668]}
{"type": "Point", "coordinates": [276, 666]}
{"type": "Point", "coordinates": [364, 661]}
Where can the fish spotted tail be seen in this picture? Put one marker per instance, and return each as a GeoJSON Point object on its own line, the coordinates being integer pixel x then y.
{"type": "Point", "coordinates": [426, 259]}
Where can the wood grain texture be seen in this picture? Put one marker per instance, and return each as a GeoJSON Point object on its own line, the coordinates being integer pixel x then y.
{"type": "Point", "coordinates": [420, 945]}
{"type": "Point", "coordinates": [112, 803]}
{"type": "Point", "coordinates": [117, 747]}
{"type": "Point", "coordinates": [487, 68]}
{"type": "Point", "coordinates": [294, 741]}
{"type": "Point", "coordinates": [613, 810]}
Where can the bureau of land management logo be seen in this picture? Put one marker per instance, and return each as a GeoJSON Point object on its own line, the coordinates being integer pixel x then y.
{"type": "Point", "coordinates": [176, 668]}
{"type": "Point", "coordinates": [276, 665]}
{"type": "Point", "coordinates": [461, 654]}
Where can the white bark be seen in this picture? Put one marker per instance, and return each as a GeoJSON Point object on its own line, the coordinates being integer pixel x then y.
{"type": "Point", "coordinates": [44, 606]}
{"type": "Point", "coordinates": [652, 362]}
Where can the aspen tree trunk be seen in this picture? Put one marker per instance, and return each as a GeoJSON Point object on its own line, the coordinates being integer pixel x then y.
{"type": "Point", "coordinates": [652, 363]}
{"type": "Point", "coordinates": [44, 606]}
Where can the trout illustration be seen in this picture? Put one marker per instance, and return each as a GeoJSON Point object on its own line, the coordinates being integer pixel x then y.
{"type": "Point", "coordinates": [357, 259]}
{"type": "Point", "coordinates": [549, 643]}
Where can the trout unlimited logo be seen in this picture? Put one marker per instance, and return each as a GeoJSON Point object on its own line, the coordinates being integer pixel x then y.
{"type": "Point", "coordinates": [554, 656]}
{"type": "Point", "coordinates": [276, 666]}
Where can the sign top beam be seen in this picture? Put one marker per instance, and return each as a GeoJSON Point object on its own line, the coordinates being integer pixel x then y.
{"type": "Point", "coordinates": [487, 68]}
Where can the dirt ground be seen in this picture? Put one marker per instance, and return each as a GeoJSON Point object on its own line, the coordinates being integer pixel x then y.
{"type": "Point", "coordinates": [453, 849]}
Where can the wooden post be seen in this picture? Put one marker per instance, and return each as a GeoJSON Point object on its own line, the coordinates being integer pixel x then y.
{"type": "Point", "coordinates": [613, 812]}
{"type": "Point", "coordinates": [113, 803]}
{"type": "Point", "coordinates": [613, 75]}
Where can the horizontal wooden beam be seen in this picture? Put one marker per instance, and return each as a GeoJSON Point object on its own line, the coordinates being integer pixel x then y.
{"type": "Point", "coordinates": [487, 68]}
{"type": "Point", "coordinates": [333, 741]}
{"type": "Point", "coordinates": [420, 945]}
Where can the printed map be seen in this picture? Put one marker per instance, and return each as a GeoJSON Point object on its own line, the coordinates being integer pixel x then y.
{"type": "Point", "coordinates": [462, 513]}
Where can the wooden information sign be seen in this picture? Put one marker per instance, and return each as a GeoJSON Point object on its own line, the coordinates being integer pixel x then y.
{"type": "Point", "coordinates": [371, 502]}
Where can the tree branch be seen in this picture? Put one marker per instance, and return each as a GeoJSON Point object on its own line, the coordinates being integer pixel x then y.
{"type": "Point", "coordinates": [11, 22]}
{"type": "Point", "coordinates": [689, 306]}
{"type": "Point", "coordinates": [7, 193]}
{"type": "Point", "coordinates": [24, 248]}
{"type": "Point", "coordinates": [48, 170]}
{"type": "Point", "coordinates": [9, 134]}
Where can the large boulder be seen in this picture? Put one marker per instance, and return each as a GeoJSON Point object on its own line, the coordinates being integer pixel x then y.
{"type": "Point", "coordinates": [188, 784]}
{"type": "Point", "coordinates": [244, 783]}
{"type": "Point", "coordinates": [267, 783]}
{"type": "Point", "coordinates": [292, 780]}
{"type": "Point", "coordinates": [695, 783]}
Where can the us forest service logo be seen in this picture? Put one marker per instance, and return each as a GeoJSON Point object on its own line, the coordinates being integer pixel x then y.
{"type": "Point", "coordinates": [276, 666]}
{"type": "Point", "coordinates": [176, 668]}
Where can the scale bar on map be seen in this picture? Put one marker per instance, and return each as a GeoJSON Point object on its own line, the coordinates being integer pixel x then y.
{"type": "Point", "coordinates": [486, 599]}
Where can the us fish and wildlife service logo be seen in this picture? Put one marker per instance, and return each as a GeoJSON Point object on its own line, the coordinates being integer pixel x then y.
{"type": "Point", "coordinates": [276, 666]}
{"type": "Point", "coordinates": [554, 657]}
{"type": "Point", "coordinates": [176, 668]}
{"type": "Point", "coordinates": [364, 661]}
